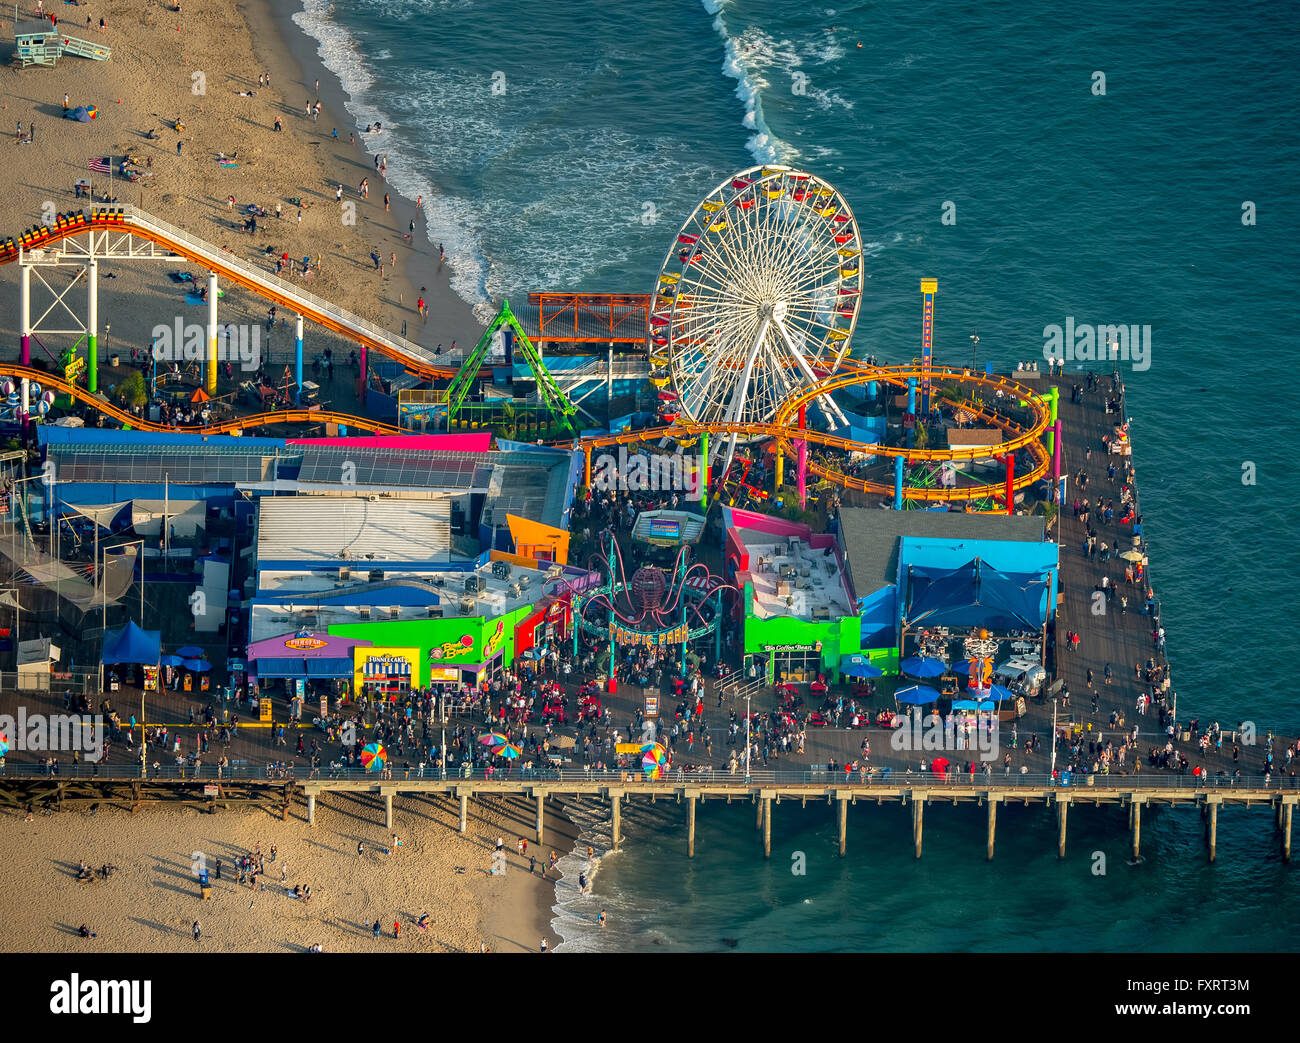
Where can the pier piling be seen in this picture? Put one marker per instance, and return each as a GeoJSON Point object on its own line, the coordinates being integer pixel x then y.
{"type": "Point", "coordinates": [615, 817]}
{"type": "Point", "coordinates": [767, 827]}
{"type": "Point", "coordinates": [1135, 822]}
{"type": "Point", "coordinates": [690, 826]}
{"type": "Point", "coordinates": [1287, 809]}
{"type": "Point", "coordinates": [1212, 828]}
{"type": "Point", "coordinates": [918, 817]}
{"type": "Point", "coordinates": [541, 798]}
{"type": "Point", "coordinates": [844, 824]}
{"type": "Point", "coordinates": [464, 810]}
{"type": "Point", "coordinates": [388, 811]}
{"type": "Point", "coordinates": [311, 809]}
{"type": "Point", "coordinates": [1062, 813]}
{"type": "Point", "coordinates": [993, 823]}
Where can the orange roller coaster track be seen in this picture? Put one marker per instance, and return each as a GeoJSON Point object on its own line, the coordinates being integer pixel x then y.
{"type": "Point", "coordinates": [282, 416]}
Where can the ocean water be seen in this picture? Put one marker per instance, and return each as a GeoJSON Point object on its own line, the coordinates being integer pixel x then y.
{"type": "Point", "coordinates": [561, 146]}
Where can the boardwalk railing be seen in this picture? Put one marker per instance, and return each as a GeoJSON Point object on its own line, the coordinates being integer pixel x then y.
{"type": "Point", "coordinates": [674, 779]}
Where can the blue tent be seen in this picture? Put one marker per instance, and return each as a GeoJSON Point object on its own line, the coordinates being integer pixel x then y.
{"type": "Point", "coordinates": [922, 666]}
{"type": "Point", "coordinates": [132, 645]}
{"type": "Point", "coordinates": [976, 595]}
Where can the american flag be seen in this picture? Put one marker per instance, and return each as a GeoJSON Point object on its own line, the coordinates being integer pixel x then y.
{"type": "Point", "coordinates": [102, 165]}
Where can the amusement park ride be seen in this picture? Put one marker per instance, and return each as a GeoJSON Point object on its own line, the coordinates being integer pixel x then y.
{"type": "Point", "coordinates": [749, 331]}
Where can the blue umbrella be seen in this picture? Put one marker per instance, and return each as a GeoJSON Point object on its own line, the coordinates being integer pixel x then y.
{"type": "Point", "coordinates": [189, 652]}
{"type": "Point", "coordinates": [197, 665]}
{"type": "Point", "coordinates": [987, 707]}
{"type": "Point", "coordinates": [997, 693]}
{"type": "Point", "coordinates": [964, 704]}
{"type": "Point", "coordinates": [916, 695]}
{"type": "Point", "coordinates": [859, 666]}
{"type": "Point", "coordinates": [922, 666]}
{"type": "Point", "coordinates": [171, 660]}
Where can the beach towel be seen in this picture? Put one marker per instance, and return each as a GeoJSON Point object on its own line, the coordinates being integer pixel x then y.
{"type": "Point", "coordinates": [182, 277]}
{"type": "Point", "coordinates": [227, 163]}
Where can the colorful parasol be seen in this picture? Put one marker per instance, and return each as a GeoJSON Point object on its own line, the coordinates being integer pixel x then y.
{"type": "Point", "coordinates": [493, 739]}
{"type": "Point", "coordinates": [508, 750]}
{"type": "Point", "coordinates": [4, 744]}
{"type": "Point", "coordinates": [654, 760]}
{"type": "Point", "coordinates": [374, 757]}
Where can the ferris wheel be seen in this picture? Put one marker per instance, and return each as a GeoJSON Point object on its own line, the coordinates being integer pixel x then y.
{"type": "Point", "coordinates": [757, 298]}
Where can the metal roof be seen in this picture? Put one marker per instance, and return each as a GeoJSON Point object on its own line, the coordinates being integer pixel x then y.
{"type": "Point", "coordinates": [404, 468]}
{"type": "Point", "coordinates": [309, 529]}
{"type": "Point", "coordinates": [190, 465]}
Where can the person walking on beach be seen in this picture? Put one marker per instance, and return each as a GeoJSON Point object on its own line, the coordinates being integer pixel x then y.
{"type": "Point", "coordinates": [374, 930]}
{"type": "Point", "coordinates": [361, 849]}
{"type": "Point", "coordinates": [178, 148]}
{"type": "Point", "coordinates": [419, 305]}
{"type": "Point", "coordinates": [601, 918]}
{"type": "Point", "coordinates": [196, 930]}
{"type": "Point", "coordinates": [543, 945]}
{"type": "Point", "coordinates": [278, 125]}
{"type": "Point", "coordinates": [397, 930]}
{"type": "Point", "coordinates": [387, 204]}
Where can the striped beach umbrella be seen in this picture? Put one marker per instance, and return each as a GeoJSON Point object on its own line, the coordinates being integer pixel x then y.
{"type": "Point", "coordinates": [493, 739]}
{"type": "Point", "coordinates": [374, 757]}
{"type": "Point", "coordinates": [508, 750]}
{"type": "Point", "coordinates": [4, 744]}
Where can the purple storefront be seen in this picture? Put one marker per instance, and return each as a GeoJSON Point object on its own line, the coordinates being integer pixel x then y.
{"type": "Point", "coordinates": [310, 664]}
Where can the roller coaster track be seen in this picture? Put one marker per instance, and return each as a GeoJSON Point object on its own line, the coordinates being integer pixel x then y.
{"type": "Point", "coordinates": [130, 221]}
{"type": "Point", "coordinates": [283, 416]}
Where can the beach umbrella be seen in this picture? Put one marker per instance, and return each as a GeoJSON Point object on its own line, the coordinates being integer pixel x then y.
{"type": "Point", "coordinates": [374, 757]}
{"type": "Point", "coordinates": [916, 695]}
{"type": "Point", "coordinates": [922, 666]}
{"type": "Point", "coordinates": [4, 744]}
{"type": "Point", "coordinates": [189, 652]}
{"type": "Point", "coordinates": [987, 707]}
{"type": "Point", "coordinates": [197, 665]}
{"type": "Point", "coordinates": [964, 704]}
{"type": "Point", "coordinates": [507, 750]}
{"type": "Point", "coordinates": [654, 760]}
{"type": "Point", "coordinates": [563, 742]}
{"type": "Point", "coordinates": [170, 660]}
{"type": "Point", "coordinates": [859, 666]}
{"type": "Point", "coordinates": [996, 693]}
{"type": "Point", "coordinates": [200, 396]}
{"type": "Point", "coordinates": [939, 766]}
{"type": "Point", "coordinates": [493, 739]}
{"type": "Point", "coordinates": [1132, 555]}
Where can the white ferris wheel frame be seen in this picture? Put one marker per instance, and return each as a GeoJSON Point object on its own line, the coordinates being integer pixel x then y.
{"type": "Point", "coordinates": [755, 310]}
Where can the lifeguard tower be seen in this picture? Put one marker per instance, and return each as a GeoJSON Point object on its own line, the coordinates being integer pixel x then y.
{"type": "Point", "coordinates": [37, 42]}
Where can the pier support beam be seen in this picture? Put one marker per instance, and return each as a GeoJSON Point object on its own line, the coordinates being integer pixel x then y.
{"type": "Point", "coordinates": [311, 809]}
{"type": "Point", "coordinates": [844, 824]}
{"type": "Point", "coordinates": [767, 827]}
{"type": "Point", "coordinates": [212, 333]}
{"type": "Point", "coordinates": [1135, 823]}
{"type": "Point", "coordinates": [918, 819]}
{"type": "Point", "coordinates": [690, 826]}
{"type": "Point", "coordinates": [1062, 813]}
{"type": "Point", "coordinates": [758, 814]}
{"type": "Point", "coordinates": [388, 811]}
{"type": "Point", "coordinates": [1212, 829]}
{"type": "Point", "coordinates": [615, 817]}
{"type": "Point", "coordinates": [464, 810]}
{"type": "Point", "coordinates": [92, 326]}
{"type": "Point", "coordinates": [541, 798]}
{"type": "Point", "coordinates": [1287, 809]}
{"type": "Point", "coordinates": [993, 823]}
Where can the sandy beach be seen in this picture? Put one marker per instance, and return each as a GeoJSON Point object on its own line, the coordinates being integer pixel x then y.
{"type": "Point", "coordinates": [151, 901]}
{"type": "Point", "coordinates": [202, 69]}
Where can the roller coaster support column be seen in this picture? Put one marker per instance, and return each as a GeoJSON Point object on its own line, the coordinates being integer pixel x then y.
{"type": "Point", "coordinates": [802, 476]}
{"type": "Point", "coordinates": [717, 629]}
{"type": "Point", "coordinates": [92, 328]}
{"type": "Point", "coordinates": [297, 359]}
{"type": "Point", "coordinates": [898, 483]}
{"type": "Point", "coordinates": [212, 333]}
{"type": "Point", "coordinates": [911, 408]}
{"type": "Point", "coordinates": [704, 472]}
{"type": "Point", "coordinates": [586, 468]}
{"type": "Point", "coordinates": [365, 382]}
{"type": "Point", "coordinates": [25, 314]}
{"type": "Point", "coordinates": [1053, 401]}
{"type": "Point", "coordinates": [928, 289]}
{"type": "Point", "coordinates": [1056, 461]}
{"type": "Point", "coordinates": [778, 473]}
{"type": "Point", "coordinates": [25, 404]}
{"type": "Point", "coordinates": [1010, 460]}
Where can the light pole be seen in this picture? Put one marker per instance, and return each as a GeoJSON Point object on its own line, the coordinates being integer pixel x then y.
{"type": "Point", "coordinates": [974, 351]}
{"type": "Point", "coordinates": [747, 743]}
{"type": "Point", "coordinates": [1055, 703]}
{"type": "Point", "coordinates": [442, 714]}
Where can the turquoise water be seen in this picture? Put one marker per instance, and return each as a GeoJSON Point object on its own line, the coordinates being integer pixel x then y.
{"type": "Point", "coordinates": [611, 121]}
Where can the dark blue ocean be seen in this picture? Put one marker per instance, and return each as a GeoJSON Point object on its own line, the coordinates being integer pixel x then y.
{"type": "Point", "coordinates": [560, 146]}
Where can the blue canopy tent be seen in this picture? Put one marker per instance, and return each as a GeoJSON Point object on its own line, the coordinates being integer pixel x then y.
{"type": "Point", "coordinates": [976, 595]}
{"type": "Point", "coordinates": [132, 645]}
